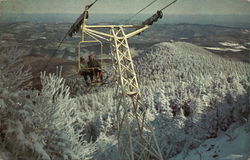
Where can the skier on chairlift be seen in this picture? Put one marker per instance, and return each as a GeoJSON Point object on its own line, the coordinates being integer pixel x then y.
{"type": "Point", "coordinates": [95, 68]}
{"type": "Point", "coordinates": [85, 71]}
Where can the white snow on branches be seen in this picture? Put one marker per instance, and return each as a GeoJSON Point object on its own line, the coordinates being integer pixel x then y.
{"type": "Point", "coordinates": [193, 98]}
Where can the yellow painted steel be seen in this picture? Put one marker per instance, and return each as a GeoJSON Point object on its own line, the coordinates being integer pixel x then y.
{"type": "Point", "coordinates": [95, 40]}
{"type": "Point", "coordinates": [128, 89]}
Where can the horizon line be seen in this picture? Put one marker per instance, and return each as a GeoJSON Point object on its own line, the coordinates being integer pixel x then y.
{"type": "Point", "coordinates": [141, 14]}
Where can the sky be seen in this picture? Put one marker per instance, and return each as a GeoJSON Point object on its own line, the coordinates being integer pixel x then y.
{"type": "Point", "coordinates": [193, 7]}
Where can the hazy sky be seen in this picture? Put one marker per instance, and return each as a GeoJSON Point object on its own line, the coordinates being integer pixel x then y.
{"type": "Point", "coordinates": [211, 7]}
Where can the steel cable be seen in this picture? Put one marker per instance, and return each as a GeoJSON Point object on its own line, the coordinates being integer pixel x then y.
{"type": "Point", "coordinates": [141, 10]}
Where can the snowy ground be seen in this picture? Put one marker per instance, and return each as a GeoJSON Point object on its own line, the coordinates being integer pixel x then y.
{"type": "Point", "coordinates": [228, 46]}
{"type": "Point", "coordinates": [231, 145]}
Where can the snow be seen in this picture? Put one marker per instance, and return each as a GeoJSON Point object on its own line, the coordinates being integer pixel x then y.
{"type": "Point", "coordinates": [43, 38]}
{"type": "Point", "coordinates": [5, 155]}
{"type": "Point", "coordinates": [223, 49]}
{"type": "Point", "coordinates": [246, 31]}
{"type": "Point", "coordinates": [229, 46]}
{"type": "Point", "coordinates": [181, 83]}
{"type": "Point", "coordinates": [231, 145]}
{"type": "Point", "coordinates": [184, 38]}
{"type": "Point", "coordinates": [165, 62]}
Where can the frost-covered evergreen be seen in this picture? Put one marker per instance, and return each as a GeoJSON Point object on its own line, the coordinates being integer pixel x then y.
{"type": "Point", "coordinates": [196, 94]}
{"type": "Point", "coordinates": [38, 124]}
{"type": "Point", "coordinates": [191, 94]}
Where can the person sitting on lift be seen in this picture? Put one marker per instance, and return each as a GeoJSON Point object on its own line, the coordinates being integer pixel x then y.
{"type": "Point", "coordinates": [85, 71]}
{"type": "Point", "coordinates": [95, 66]}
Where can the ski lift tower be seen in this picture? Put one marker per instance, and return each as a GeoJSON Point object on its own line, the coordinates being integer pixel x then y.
{"type": "Point", "coordinates": [136, 139]}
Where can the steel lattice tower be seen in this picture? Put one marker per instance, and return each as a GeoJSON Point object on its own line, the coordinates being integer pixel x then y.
{"type": "Point", "coordinates": [136, 139]}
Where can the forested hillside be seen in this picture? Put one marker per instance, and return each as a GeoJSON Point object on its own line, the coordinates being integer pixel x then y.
{"type": "Point", "coordinates": [193, 96]}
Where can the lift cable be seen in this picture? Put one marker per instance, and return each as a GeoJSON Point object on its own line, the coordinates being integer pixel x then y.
{"type": "Point", "coordinates": [88, 7]}
{"type": "Point", "coordinates": [140, 10]}
{"type": "Point", "coordinates": [45, 67]}
{"type": "Point", "coordinates": [65, 36]}
{"type": "Point", "coordinates": [168, 5]}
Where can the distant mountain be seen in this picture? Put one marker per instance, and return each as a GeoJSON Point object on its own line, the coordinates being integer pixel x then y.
{"type": "Point", "coordinates": [224, 20]}
{"type": "Point", "coordinates": [165, 60]}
